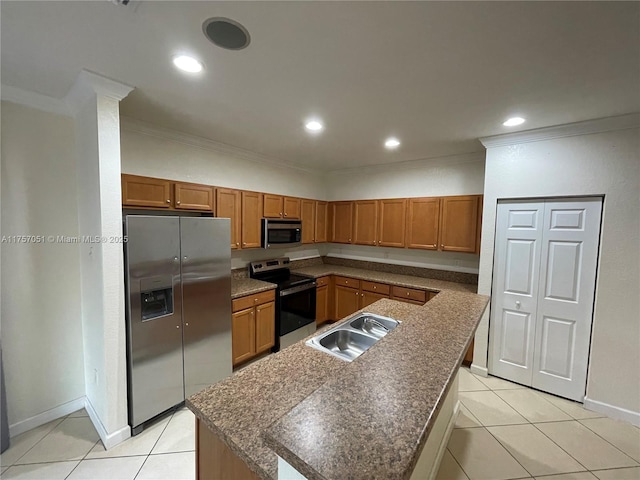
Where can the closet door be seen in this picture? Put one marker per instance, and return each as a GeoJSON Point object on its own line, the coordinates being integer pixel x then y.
{"type": "Point", "coordinates": [514, 299]}
{"type": "Point", "coordinates": [565, 296]}
{"type": "Point", "coordinates": [546, 255]}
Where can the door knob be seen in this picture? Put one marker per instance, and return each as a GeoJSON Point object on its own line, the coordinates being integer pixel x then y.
{"type": "Point", "coordinates": [518, 305]}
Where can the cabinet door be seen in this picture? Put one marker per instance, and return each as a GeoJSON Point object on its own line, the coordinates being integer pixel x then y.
{"type": "Point", "coordinates": [322, 304]}
{"type": "Point", "coordinates": [193, 197]}
{"type": "Point", "coordinates": [347, 301]}
{"type": "Point", "coordinates": [243, 335]}
{"type": "Point", "coordinates": [367, 298]}
{"type": "Point", "coordinates": [342, 222]}
{"type": "Point", "coordinates": [228, 206]}
{"type": "Point", "coordinates": [145, 192]}
{"type": "Point", "coordinates": [308, 220]}
{"type": "Point", "coordinates": [459, 224]}
{"type": "Point", "coordinates": [423, 220]}
{"type": "Point", "coordinates": [365, 223]}
{"type": "Point", "coordinates": [251, 218]}
{"type": "Point", "coordinates": [321, 222]}
{"type": "Point", "coordinates": [392, 222]}
{"type": "Point", "coordinates": [272, 206]}
{"type": "Point", "coordinates": [291, 207]}
{"type": "Point", "coordinates": [265, 326]}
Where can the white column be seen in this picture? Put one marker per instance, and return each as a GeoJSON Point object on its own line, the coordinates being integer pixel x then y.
{"type": "Point", "coordinates": [94, 101]}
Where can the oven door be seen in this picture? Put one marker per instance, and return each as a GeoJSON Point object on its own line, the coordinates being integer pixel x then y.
{"type": "Point", "coordinates": [297, 309]}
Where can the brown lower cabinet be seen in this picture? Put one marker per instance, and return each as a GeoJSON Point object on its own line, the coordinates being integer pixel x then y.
{"type": "Point", "coordinates": [252, 326]}
{"type": "Point", "coordinates": [351, 295]}
{"type": "Point", "coordinates": [323, 300]}
{"type": "Point", "coordinates": [215, 460]}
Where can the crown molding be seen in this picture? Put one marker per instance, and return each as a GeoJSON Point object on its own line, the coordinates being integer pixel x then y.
{"type": "Point", "coordinates": [35, 100]}
{"type": "Point", "coordinates": [598, 125]}
{"type": "Point", "coordinates": [88, 84]}
{"type": "Point", "coordinates": [139, 126]}
{"type": "Point", "coordinates": [443, 161]}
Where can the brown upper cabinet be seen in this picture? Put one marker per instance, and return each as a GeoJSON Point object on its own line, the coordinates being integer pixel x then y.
{"type": "Point", "coordinates": [308, 217]}
{"type": "Point", "coordinates": [251, 219]}
{"type": "Point", "coordinates": [277, 206]}
{"type": "Point", "coordinates": [365, 222]}
{"type": "Point", "coordinates": [459, 224]}
{"type": "Point", "coordinates": [392, 221]}
{"type": "Point", "coordinates": [189, 196]}
{"type": "Point", "coordinates": [341, 222]}
{"type": "Point", "coordinates": [423, 221]}
{"type": "Point", "coordinates": [322, 214]}
{"type": "Point", "coordinates": [228, 206]}
{"type": "Point", "coordinates": [146, 192]}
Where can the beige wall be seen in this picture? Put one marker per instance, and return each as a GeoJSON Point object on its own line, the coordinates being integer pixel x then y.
{"type": "Point", "coordinates": [598, 164]}
{"type": "Point", "coordinates": [41, 314]}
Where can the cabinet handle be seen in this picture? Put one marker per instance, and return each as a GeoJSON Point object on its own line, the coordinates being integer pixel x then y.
{"type": "Point", "coordinates": [168, 200]}
{"type": "Point", "coordinates": [357, 294]}
{"type": "Point", "coordinates": [285, 214]}
{"type": "Point", "coordinates": [237, 244]}
{"type": "Point", "coordinates": [349, 239]}
{"type": "Point", "coordinates": [178, 202]}
{"type": "Point", "coordinates": [186, 324]}
{"type": "Point", "coordinates": [280, 213]}
{"type": "Point", "coordinates": [407, 294]}
{"type": "Point", "coordinates": [362, 294]}
{"type": "Point", "coordinates": [244, 244]}
{"type": "Point", "coordinates": [441, 246]}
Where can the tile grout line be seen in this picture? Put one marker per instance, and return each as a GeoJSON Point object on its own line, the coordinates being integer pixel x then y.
{"type": "Point", "coordinates": [457, 463]}
{"type": "Point", "coordinates": [558, 445]}
{"type": "Point", "coordinates": [614, 446]}
{"type": "Point", "coordinates": [15, 463]}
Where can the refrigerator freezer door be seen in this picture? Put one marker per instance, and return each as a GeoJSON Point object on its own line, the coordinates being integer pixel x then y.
{"type": "Point", "coordinates": [206, 293]}
{"type": "Point", "coordinates": [154, 323]}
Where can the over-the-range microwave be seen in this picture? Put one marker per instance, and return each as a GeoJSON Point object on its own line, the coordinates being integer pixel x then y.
{"type": "Point", "coordinates": [281, 233]}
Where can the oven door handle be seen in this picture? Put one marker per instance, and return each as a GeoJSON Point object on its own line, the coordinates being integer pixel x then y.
{"type": "Point", "coordinates": [298, 289]}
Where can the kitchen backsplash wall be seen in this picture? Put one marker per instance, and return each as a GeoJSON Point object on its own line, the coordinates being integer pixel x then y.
{"type": "Point", "coordinates": [458, 277]}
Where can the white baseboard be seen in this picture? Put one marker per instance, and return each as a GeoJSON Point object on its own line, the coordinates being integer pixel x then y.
{"type": "Point", "coordinates": [478, 370]}
{"type": "Point", "coordinates": [45, 417]}
{"type": "Point", "coordinates": [612, 411]}
{"type": "Point", "coordinates": [108, 439]}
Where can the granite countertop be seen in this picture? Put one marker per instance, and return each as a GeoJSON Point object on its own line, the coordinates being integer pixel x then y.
{"type": "Point", "coordinates": [408, 281]}
{"type": "Point", "coordinates": [241, 287]}
{"type": "Point", "coordinates": [332, 419]}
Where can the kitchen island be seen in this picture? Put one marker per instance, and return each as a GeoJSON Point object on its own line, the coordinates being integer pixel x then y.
{"type": "Point", "coordinates": [329, 418]}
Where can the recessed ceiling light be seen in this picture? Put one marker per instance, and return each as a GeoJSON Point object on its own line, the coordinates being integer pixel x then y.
{"type": "Point", "coordinates": [187, 64]}
{"type": "Point", "coordinates": [513, 121]}
{"type": "Point", "coordinates": [314, 125]}
{"type": "Point", "coordinates": [226, 33]}
{"type": "Point", "coordinates": [392, 143]}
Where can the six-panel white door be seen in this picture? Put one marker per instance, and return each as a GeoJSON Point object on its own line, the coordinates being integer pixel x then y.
{"type": "Point", "coordinates": [544, 282]}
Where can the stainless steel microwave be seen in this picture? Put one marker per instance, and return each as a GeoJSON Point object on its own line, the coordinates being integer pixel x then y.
{"type": "Point", "coordinates": [281, 233]}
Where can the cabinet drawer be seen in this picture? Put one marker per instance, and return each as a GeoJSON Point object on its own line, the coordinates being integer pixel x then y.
{"type": "Point", "coordinates": [253, 300]}
{"type": "Point", "coordinates": [380, 288]}
{"type": "Point", "coordinates": [348, 282]}
{"type": "Point", "coordinates": [410, 294]}
{"type": "Point", "coordinates": [322, 281]}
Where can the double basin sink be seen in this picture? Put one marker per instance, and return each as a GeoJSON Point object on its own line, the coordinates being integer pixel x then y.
{"type": "Point", "coordinates": [354, 336]}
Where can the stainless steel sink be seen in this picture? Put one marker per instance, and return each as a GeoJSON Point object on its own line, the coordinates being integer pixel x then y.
{"type": "Point", "coordinates": [375, 325]}
{"type": "Point", "coordinates": [351, 338]}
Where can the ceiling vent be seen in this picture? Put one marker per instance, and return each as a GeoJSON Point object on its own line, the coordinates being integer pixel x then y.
{"type": "Point", "coordinates": [226, 33]}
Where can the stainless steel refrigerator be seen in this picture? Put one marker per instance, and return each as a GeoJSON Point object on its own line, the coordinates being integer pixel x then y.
{"type": "Point", "coordinates": [178, 283]}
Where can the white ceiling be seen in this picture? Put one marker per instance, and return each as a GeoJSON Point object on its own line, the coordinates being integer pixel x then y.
{"type": "Point", "coordinates": [437, 75]}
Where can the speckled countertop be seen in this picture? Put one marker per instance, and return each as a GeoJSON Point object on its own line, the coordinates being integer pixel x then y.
{"type": "Point", "coordinates": [331, 419]}
{"type": "Point", "coordinates": [408, 281]}
{"type": "Point", "coordinates": [241, 287]}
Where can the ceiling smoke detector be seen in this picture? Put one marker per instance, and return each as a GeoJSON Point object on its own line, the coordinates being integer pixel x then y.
{"type": "Point", "coordinates": [226, 33]}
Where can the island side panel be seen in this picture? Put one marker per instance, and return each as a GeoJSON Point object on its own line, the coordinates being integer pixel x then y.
{"type": "Point", "coordinates": [215, 460]}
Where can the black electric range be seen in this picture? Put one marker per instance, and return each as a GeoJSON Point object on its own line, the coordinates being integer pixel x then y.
{"type": "Point", "coordinates": [295, 300]}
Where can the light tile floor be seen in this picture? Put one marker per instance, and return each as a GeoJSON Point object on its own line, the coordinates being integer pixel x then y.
{"type": "Point", "coordinates": [503, 431]}
{"type": "Point", "coordinates": [506, 431]}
